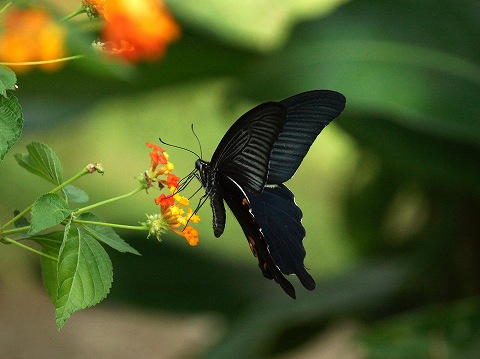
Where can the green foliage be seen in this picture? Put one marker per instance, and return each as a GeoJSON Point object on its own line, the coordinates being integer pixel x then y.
{"type": "Point", "coordinates": [258, 24]}
{"type": "Point", "coordinates": [11, 123]}
{"type": "Point", "coordinates": [104, 234]}
{"type": "Point", "coordinates": [8, 80]}
{"type": "Point", "coordinates": [51, 244]}
{"type": "Point", "coordinates": [41, 161]}
{"type": "Point", "coordinates": [47, 211]}
{"type": "Point", "coordinates": [75, 194]}
{"type": "Point", "coordinates": [76, 271]}
{"type": "Point", "coordinates": [84, 274]}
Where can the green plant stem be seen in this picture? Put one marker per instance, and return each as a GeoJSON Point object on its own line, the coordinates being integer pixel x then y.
{"type": "Point", "coordinates": [82, 173]}
{"type": "Point", "coordinates": [29, 63]}
{"type": "Point", "coordinates": [111, 200]}
{"type": "Point", "coordinates": [5, 7]}
{"type": "Point", "coordinates": [81, 10]}
{"type": "Point", "coordinates": [122, 226]}
{"type": "Point", "coordinates": [56, 189]}
{"type": "Point", "coordinates": [12, 241]}
{"type": "Point", "coordinates": [16, 230]}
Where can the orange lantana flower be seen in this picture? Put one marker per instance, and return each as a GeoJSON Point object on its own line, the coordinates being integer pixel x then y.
{"type": "Point", "coordinates": [158, 157]}
{"type": "Point", "coordinates": [172, 216]}
{"type": "Point", "coordinates": [172, 180]}
{"type": "Point", "coordinates": [135, 30]}
{"type": "Point", "coordinates": [164, 201]}
{"type": "Point", "coordinates": [31, 35]}
{"type": "Point", "coordinates": [191, 235]}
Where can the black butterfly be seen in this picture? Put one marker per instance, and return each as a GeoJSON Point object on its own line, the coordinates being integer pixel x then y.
{"type": "Point", "coordinates": [260, 152]}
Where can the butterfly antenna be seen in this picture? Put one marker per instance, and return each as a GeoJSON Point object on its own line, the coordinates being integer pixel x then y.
{"type": "Point", "coordinates": [179, 147]}
{"type": "Point", "coordinates": [199, 143]}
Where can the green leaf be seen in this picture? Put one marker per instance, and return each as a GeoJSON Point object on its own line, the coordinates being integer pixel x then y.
{"type": "Point", "coordinates": [23, 159]}
{"type": "Point", "coordinates": [11, 123]}
{"type": "Point", "coordinates": [8, 80]}
{"type": "Point", "coordinates": [84, 275]}
{"type": "Point", "coordinates": [104, 234]}
{"type": "Point", "coordinates": [75, 194]}
{"type": "Point", "coordinates": [42, 161]}
{"type": "Point", "coordinates": [258, 24]}
{"type": "Point", "coordinates": [51, 244]}
{"type": "Point", "coordinates": [48, 210]}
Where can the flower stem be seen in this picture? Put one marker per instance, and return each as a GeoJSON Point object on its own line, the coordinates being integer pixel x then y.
{"type": "Point", "coordinates": [16, 230]}
{"type": "Point", "coordinates": [81, 10]}
{"type": "Point", "coordinates": [82, 173]}
{"type": "Point", "coordinates": [110, 200]}
{"type": "Point", "coordinates": [5, 7]}
{"type": "Point", "coordinates": [121, 226]}
{"type": "Point", "coordinates": [12, 241]}
{"type": "Point", "coordinates": [29, 63]}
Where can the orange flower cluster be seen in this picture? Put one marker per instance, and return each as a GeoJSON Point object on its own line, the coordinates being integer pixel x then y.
{"type": "Point", "coordinates": [172, 215]}
{"type": "Point", "coordinates": [132, 30]}
{"type": "Point", "coordinates": [135, 30]}
{"type": "Point", "coordinates": [31, 35]}
{"type": "Point", "coordinates": [175, 216]}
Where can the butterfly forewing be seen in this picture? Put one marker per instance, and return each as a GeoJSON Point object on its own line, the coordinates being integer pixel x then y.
{"type": "Point", "coordinates": [307, 114]}
{"type": "Point", "coordinates": [244, 151]}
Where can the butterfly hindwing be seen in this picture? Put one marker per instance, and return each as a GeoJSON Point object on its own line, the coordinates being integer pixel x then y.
{"type": "Point", "coordinates": [307, 115]}
{"type": "Point", "coordinates": [239, 203]}
{"type": "Point", "coordinates": [281, 222]}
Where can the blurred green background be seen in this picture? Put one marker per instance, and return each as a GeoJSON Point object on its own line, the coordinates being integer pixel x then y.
{"type": "Point", "coordinates": [390, 191]}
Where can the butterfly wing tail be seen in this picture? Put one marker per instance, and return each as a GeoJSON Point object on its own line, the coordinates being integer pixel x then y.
{"type": "Point", "coordinates": [285, 284]}
{"type": "Point", "coordinates": [260, 251]}
{"type": "Point", "coordinates": [306, 279]}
